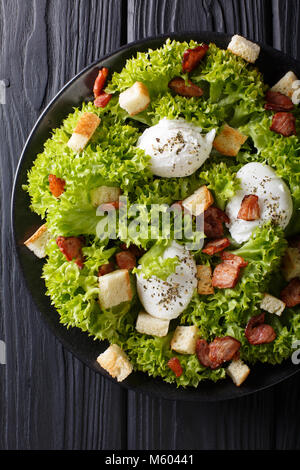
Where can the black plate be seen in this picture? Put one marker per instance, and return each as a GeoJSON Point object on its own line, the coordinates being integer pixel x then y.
{"type": "Point", "coordinates": [273, 64]}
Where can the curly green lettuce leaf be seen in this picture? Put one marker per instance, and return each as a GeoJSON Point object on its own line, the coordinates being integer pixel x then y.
{"type": "Point", "coordinates": [74, 293]}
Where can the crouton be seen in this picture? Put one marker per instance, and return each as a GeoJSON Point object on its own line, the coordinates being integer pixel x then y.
{"type": "Point", "coordinates": [285, 84]}
{"type": "Point", "coordinates": [291, 264]}
{"type": "Point", "coordinates": [198, 202]}
{"type": "Point", "coordinates": [115, 362]}
{"type": "Point", "coordinates": [241, 47]}
{"type": "Point", "coordinates": [204, 276]}
{"type": "Point", "coordinates": [135, 99]}
{"type": "Point", "coordinates": [83, 131]}
{"type": "Point", "coordinates": [104, 194]}
{"type": "Point", "coordinates": [184, 339]}
{"type": "Point", "coordinates": [38, 241]}
{"type": "Point", "coordinates": [148, 325]}
{"type": "Point", "coordinates": [238, 371]}
{"type": "Point", "coordinates": [229, 141]}
{"type": "Point", "coordinates": [272, 304]}
{"type": "Point", "coordinates": [114, 288]}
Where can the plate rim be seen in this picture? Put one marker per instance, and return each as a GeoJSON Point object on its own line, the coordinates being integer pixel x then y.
{"type": "Point", "coordinates": [180, 36]}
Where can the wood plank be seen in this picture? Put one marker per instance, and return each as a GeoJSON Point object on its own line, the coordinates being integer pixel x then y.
{"type": "Point", "coordinates": [286, 31]}
{"type": "Point", "coordinates": [250, 18]}
{"type": "Point", "coordinates": [252, 422]}
{"type": "Point", "coordinates": [49, 399]}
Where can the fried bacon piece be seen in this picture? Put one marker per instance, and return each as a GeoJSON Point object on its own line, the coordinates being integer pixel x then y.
{"type": "Point", "coordinates": [125, 260]}
{"type": "Point", "coordinates": [234, 260]}
{"type": "Point", "coordinates": [71, 247]}
{"type": "Point", "coordinates": [100, 81]}
{"type": "Point", "coordinates": [278, 102]}
{"type": "Point", "coordinates": [213, 222]}
{"type": "Point", "coordinates": [257, 332]}
{"type": "Point", "coordinates": [221, 350]}
{"type": "Point", "coordinates": [192, 57]}
{"type": "Point", "coordinates": [250, 209]}
{"type": "Point", "coordinates": [106, 269]}
{"type": "Point", "coordinates": [102, 100]}
{"type": "Point", "coordinates": [202, 352]}
{"type": "Point", "coordinates": [179, 86]}
{"type": "Point", "coordinates": [109, 206]}
{"type": "Point", "coordinates": [135, 250]}
{"type": "Point", "coordinates": [284, 124]}
{"type": "Point", "coordinates": [175, 366]}
{"type": "Point", "coordinates": [225, 276]}
{"type": "Point", "coordinates": [56, 185]}
{"type": "Point", "coordinates": [291, 293]}
{"type": "Point", "coordinates": [216, 246]}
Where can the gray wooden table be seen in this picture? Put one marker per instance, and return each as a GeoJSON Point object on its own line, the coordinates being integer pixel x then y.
{"type": "Point", "coordinates": [49, 399]}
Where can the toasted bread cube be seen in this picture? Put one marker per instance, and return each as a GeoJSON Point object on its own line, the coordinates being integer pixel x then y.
{"type": "Point", "coordinates": [83, 131]}
{"type": "Point", "coordinates": [114, 288]}
{"type": "Point", "coordinates": [104, 194]}
{"type": "Point", "coordinates": [148, 325]}
{"type": "Point", "coordinates": [115, 362]}
{"type": "Point", "coordinates": [272, 304]}
{"type": "Point", "coordinates": [285, 84]}
{"type": "Point", "coordinates": [241, 47]}
{"type": "Point", "coordinates": [38, 241]}
{"type": "Point", "coordinates": [198, 202]}
{"type": "Point", "coordinates": [184, 339]}
{"type": "Point", "coordinates": [135, 99]}
{"type": "Point", "coordinates": [291, 264]}
{"type": "Point", "coordinates": [238, 371]}
{"type": "Point", "coordinates": [204, 276]}
{"type": "Point", "coordinates": [229, 141]}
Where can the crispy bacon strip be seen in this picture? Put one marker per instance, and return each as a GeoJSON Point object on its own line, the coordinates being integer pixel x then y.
{"type": "Point", "coordinates": [179, 86]}
{"type": "Point", "coordinates": [284, 124]}
{"type": "Point", "coordinates": [225, 276]}
{"type": "Point", "coordinates": [213, 222]}
{"type": "Point", "coordinates": [250, 209]}
{"type": "Point", "coordinates": [175, 366]}
{"type": "Point", "coordinates": [202, 352]}
{"type": "Point", "coordinates": [56, 185]}
{"type": "Point", "coordinates": [291, 293]}
{"type": "Point", "coordinates": [234, 260]}
{"type": "Point", "coordinates": [192, 57]}
{"type": "Point", "coordinates": [106, 269]}
{"type": "Point", "coordinates": [257, 332]}
{"type": "Point", "coordinates": [100, 81]}
{"type": "Point", "coordinates": [135, 250]}
{"type": "Point", "coordinates": [125, 260]}
{"type": "Point", "coordinates": [278, 102]}
{"type": "Point", "coordinates": [221, 350]}
{"type": "Point", "coordinates": [216, 246]}
{"type": "Point", "coordinates": [71, 247]}
{"type": "Point", "coordinates": [102, 100]}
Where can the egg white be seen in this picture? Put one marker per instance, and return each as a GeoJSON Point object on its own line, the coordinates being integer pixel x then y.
{"type": "Point", "coordinates": [168, 299]}
{"type": "Point", "coordinates": [274, 200]}
{"type": "Point", "coordinates": [177, 148]}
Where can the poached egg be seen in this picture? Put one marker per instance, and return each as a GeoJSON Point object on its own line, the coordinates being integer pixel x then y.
{"type": "Point", "coordinates": [177, 148]}
{"type": "Point", "coordinates": [168, 299]}
{"type": "Point", "coordinates": [274, 199]}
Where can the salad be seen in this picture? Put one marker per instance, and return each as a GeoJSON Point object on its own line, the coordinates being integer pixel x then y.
{"type": "Point", "coordinates": [170, 203]}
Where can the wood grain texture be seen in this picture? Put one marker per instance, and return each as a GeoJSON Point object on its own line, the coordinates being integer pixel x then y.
{"type": "Point", "coordinates": [49, 399]}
